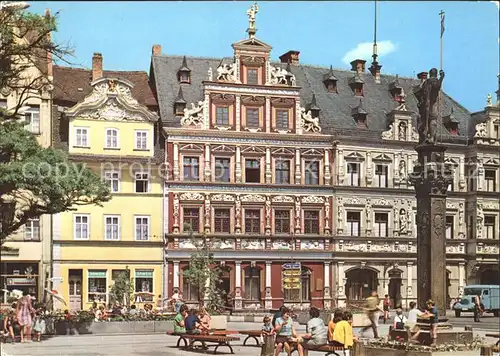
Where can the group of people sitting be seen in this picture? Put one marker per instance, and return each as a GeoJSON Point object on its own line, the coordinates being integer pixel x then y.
{"type": "Point", "coordinates": [192, 321]}
{"type": "Point", "coordinates": [339, 331]}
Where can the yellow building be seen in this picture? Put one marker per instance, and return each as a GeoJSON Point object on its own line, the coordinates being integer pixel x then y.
{"type": "Point", "coordinates": [107, 121]}
{"type": "Point", "coordinates": [26, 262]}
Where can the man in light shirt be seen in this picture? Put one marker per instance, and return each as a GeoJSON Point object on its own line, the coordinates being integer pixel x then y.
{"type": "Point", "coordinates": [411, 323]}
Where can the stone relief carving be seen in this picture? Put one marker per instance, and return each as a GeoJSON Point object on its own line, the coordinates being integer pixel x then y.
{"type": "Point", "coordinates": [176, 213]}
{"type": "Point", "coordinates": [381, 202]}
{"type": "Point", "coordinates": [223, 244]}
{"type": "Point", "coordinates": [389, 134]}
{"type": "Point", "coordinates": [186, 243]}
{"type": "Point", "coordinates": [488, 249]}
{"type": "Point", "coordinates": [402, 131]}
{"type": "Point", "coordinates": [309, 123]}
{"type": "Point", "coordinates": [238, 214]}
{"type": "Point", "coordinates": [193, 116]}
{"type": "Point", "coordinates": [402, 170]}
{"type": "Point", "coordinates": [455, 248]}
{"type": "Point", "coordinates": [208, 213]}
{"type": "Point", "coordinates": [268, 215]}
{"type": "Point", "coordinates": [354, 201]}
{"type": "Point", "coordinates": [222, 197]}
{"type": "Point", "coordinates": [327, 215]}
{"type": "Point", "coordinates": [479, 221]}
{"type": "Point", "coordinates": [312, 245]}
{"type": "Point", "coordinates": [297, 215]}
{"type": "Point", "coordinates": [312, 199]}
{"type": "Point", "coordinates": [225, 72]}
{"type": "Point", "coordinates": [280, 76]}
{"type": "Point", "coordinates": [282, 199]}
{"type": "Point", "coordinates": [282, 245]}
{"type": "Point", "coordinates": [404, 222]}
{"type": "Point", "coordinates": [481, 130]}
{"type": "Point", "coordinates": [460, 214]}
{"type": "Point", "coordinates": [192, 196]}
{"type": "Point", "coordinates": [253, 244]}
{"type": "Point", "coordinates": [253, 198]}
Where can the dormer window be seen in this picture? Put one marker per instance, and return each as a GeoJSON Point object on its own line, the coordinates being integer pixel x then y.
{"type": "Point", "coordinates": [396, 90]}
{"type": "Point", "coordinates": [179, 103]}
{"type": "Point", "coordinates": [252, 76]}
{"type": "Point", "coordinates": [359, 115]}
{"type": "Point", "coordinates": [184, 73]}
{"type": "Point", "coordinates": [451, 123]}
{"type": "Point", "coordinates": [313, 107]}
{"type": "Point", "coordinates": [330, 81]}
{"type": "Point", "coordinates": [356, 83]}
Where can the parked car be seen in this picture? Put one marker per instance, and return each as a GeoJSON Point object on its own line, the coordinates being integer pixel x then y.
{"type": "Point", "coordinates": [490, 299]}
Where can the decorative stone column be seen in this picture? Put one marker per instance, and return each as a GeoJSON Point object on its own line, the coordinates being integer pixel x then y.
{"type": "Point", "coordinates": [340, 167]}
{"type": "Point", "coordinates": [431, 177]}
{"type": "Point", "coordinates": [461, 278]}
{"type": "Point", "coordinates": [208, 214]}
{"type": "Point", "coordinates": [268, 175]}
{"type": "Point", "coordinates": [409, 279]}
{"type": "Point", "coordinates": [461, 174]}
{"type": "Point", "coordinates": [237, 106]}
{"type": "Point", "coordinates": [268, 114]}
{"type": "Point", "coordinates": [268, 215]}
{"type": "Point", "coordinates": [238, 303]}
{"type": "Point", "coordinates": [176, 214]}
{"type": "Point", "coordinates": [327, 298]}
{"type": "Point", "coordinates": [207, 171]}
{"type": "Point", "coordinates": [238, 215]}
{"type": "Point", "coordinates": [297, 167]}
{"type": "Point", "coordinates": [480, 175]}
{"type": "Point", "coordinates": [176, 170]}
{"type": "Point", "coordinates": [298, 227]}
{"type": "Point", "coordinates": [341, 281]}
{"type": "Point", "coordinates": [268, 303]}
{"type": "Point", "coordinates": [327, 173]}
{"type": "Point", "coordinates": [176, 274]}
{"type": "Point", "coordinates": [369, 169]}
{"type": "Point", "coordinates": [238, 172]}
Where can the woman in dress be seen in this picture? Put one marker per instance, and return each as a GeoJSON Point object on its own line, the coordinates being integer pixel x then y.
{"type": "Point", "coordinates": [24, 311]}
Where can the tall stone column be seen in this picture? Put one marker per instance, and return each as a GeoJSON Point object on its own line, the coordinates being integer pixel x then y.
{"type": "Point", "coordinates": [268, 174]}
{"type": "Point", "coordinates": [327, 299]}
{"type": "Point", "coordinates": [268, 303]}
{"type": "Point", "coordinates": [431, 177]}
{"type": "Point", "coordinates": [238, 171]}
{"type": "Point", "coordinates": [238, 303]}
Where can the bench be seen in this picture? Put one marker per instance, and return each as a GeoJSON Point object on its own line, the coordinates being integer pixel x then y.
{"type": "Point", "coordinates": [496, 336]}
{"type": "Point", "coordinates": [216, 340]}
{"type": "Point", "coordinates": [251, 334]}
{"type": "Point", "coordinates": [329, 349]}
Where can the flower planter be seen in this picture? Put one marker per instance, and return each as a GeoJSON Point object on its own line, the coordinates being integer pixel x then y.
{"type": "Point", "coordinates": [218, 322]}
{"type": "Point", "coordinates": [373, 351]}
{"type": "Point", "coordinates": [64, 327]}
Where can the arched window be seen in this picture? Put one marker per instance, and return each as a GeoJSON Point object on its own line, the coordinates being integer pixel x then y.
{"type": "Point", "coordinates": [252, 283]}
{"type": "Point", "coordinates": [189, 290]}
{"type": "Point", "coordinates": [304, 293]}
{"type": "Point", "coordinates": [360, 283]}
{"type": "Point", "coordinates": [112, 139]}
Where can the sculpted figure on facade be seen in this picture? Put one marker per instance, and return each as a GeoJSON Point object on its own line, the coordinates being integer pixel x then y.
{"type": "Point", "coordinates": [402, 131]}
{"type": "Point", "coordinates": [389, 134]}
{"type": "Point", "coordinates": [297, 214]}
{"type": "Point", "coordinates": [309, 123]}
{"type": "Point", "coordinates": [402, 170]}
{"type": "Point", "coordinates": [280, 76]}
{"type": "Point", "coordinates": [225, 72]}
{"type": "Point", "coordinates": [193, 116]}
{"type": "Point", "coordinates": [427, 94]}
{"type": "Point", "coordinates": [237, 214]}
{"type": "Point", "coordinates": [253, 244]}
{"type": "Point", "coordinates": [404, 222]}
{"type": "Point", "coordinates": [479, 221]}
{"type": "Point", "coordinates": [481, 130]}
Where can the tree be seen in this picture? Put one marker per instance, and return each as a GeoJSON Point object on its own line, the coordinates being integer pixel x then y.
{"type": "Point", "coordinates": [123, 289]}
{"type": "Point", "coordinates": [34, 180]}
{"type": "Point", "coordinates": [203, 267]}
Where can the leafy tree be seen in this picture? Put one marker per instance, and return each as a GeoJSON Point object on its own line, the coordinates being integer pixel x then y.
{"type": "Point", "coordinates": [123, 289]}
{"type": "Point", "coordinates": [34, 180]}
{"type": "Point", "coordinates": [202, 266]}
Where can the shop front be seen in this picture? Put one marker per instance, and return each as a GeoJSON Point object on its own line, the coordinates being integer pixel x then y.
{"type": "Point", "coordinates": [17, 278]}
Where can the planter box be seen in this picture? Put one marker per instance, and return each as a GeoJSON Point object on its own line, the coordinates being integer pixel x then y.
{"type": "Point", "coordinates": [218, 322]}
{"type": "Point", "coordinates": [371, 351]}
{"type": "Point", "coordinates": [360, 320]}
{"type": "Point", "coordinates": [113, 327]}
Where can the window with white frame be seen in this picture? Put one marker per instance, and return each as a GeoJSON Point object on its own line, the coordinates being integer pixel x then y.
{"type": "Point", "coordinates": [82, 227]}
{"type": "Point", "coordinates": [82, 136]}
{"type": "Point", "coordinates": [490, 179]}
{"type": "Point", "coordinates": [141, 228]}
{"type": "Point", "coordinates": [381, 224]}
{"type": "Point", "coordinates": [141, 140]}
{"type": "Point", "coordinates": [97, 286]}
{"type": "Point", "coordinates": [144, 285]}
{"type": "Point", "coordinates": [32, 117]}
{"type": "Point", "coordinates": [141, 182]}
{"type": "Point", "coordinates": [353, 223]}
{"type": "Point", "coordinates": [449, 226]}
{"type": "Point", "coordinates": [32, 229]}
{"type": "Point", "coordinates": [112, 138]}
{"type": "Point", "coordinates": [112, 227]}
{"type": "Point", "coordinates": [112, 178]}
{"type": "Point", "coordinates": [381, 172]}
{"type": "Point", "coordinates": [353, 173]}
{"type": "Point", "coordinates": [489, 226]}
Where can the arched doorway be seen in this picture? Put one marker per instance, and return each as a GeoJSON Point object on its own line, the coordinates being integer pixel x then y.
{"type": "Point", "coordinates": [395, 282]}
{"type": "Point", "coordinates": [489, 276]}
{"type": "Point", "coordinates": [360, 283]}
{"type": "Point", "coordinates": [225, 283]}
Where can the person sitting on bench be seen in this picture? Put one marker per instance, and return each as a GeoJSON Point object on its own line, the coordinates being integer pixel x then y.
{"type": "Point", "coordinates": [284, 330]}
{"type": "Point", "coordinates": [179, 322]}
{"type": "Point", "coordinates": [343, 335]}
{"type": "Point", "coordinates": [337, 316]}
{"type": "Point", "coordinates": [399, 320]}
{"type": "Point", "coordinates": [193, 323]}
{"type": "Point", "coordinates": [317, 333]}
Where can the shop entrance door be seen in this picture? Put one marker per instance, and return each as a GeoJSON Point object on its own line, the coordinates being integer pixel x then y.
{"type": "Point", "coordinates": [75, 289]}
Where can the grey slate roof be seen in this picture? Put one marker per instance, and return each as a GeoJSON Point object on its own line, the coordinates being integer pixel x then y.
{"type": "Point", "coordinates": [335, 109]}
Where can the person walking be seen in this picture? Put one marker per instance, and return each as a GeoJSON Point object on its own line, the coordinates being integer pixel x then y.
{"type": "Point", "coordinates": [24, 312]}
{"type": "Point", "coordinates": [386, 306]}
{"type": "Point", "coordinates": [477, 308]}
{"type": "Point", "coordinates": [371, 309]}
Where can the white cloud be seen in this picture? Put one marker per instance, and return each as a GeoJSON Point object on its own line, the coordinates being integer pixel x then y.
{"type": "Point", "coordinates": [497, 3]}
{"type": "Point", "coordinates": [365, 50]}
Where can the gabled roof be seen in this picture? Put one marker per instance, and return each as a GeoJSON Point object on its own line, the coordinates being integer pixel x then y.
{"type": "Point", "coordinates": [71, 85]}
{"type": "Point", "coordinates": [335, 114]}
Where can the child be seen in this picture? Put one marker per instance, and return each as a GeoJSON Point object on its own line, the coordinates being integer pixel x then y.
{"type": "Point", "coordinates": [39, 325]}
{"type": "Point", "coordinates": [193, 322]}
{"type": "Point", "coordinates": [8, 324]}
{"type": "Point", "coordinates": [267, 328]}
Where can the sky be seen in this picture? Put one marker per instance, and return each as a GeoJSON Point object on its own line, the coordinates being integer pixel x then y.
{"type": "Point", "coordinates": [325, 32]}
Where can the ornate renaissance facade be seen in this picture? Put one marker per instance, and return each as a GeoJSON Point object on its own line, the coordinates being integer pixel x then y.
{"type": "Point", "coordinates": [279, 163]}
{"type": "Point", "coordinates": [107, 120]}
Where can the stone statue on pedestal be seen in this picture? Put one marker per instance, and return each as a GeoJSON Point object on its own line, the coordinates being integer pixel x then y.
{"type": "Point", "coordinates": [427, 94]}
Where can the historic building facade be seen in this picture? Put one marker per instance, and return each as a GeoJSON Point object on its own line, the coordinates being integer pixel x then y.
{"type": "Point", "coordinates": [26, 264]}
{"type": "Point", "coordinates": [107, 121]}
{"type": "Point", "coordinates": [279, 163]}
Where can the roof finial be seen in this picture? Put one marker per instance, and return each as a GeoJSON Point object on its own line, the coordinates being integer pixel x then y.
{"type": "Point", "coordinates": [375, 55]}
{"type": "Point", "coordinates": [251, 12]}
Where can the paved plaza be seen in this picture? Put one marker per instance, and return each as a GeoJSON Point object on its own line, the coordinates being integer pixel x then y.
{"type": "Point", "coordinates": [145, 345]}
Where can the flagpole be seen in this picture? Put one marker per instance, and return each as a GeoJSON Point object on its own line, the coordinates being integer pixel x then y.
{"type": "Point", "coordinates": [441, 14]}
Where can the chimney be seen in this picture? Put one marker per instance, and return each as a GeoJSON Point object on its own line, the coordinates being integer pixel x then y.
{"type": "Point", "coordinates": [290, 57]}
{"type": "Point", "coordinates": [156, 51]}
{"type": "Point", "coordinates": [422, 76]}
{"type": "Point", "coordinates": [358, 65]}
{"type": "Point", "coordinates": [96, 66]}
{"type": "Point", "coordinates": [50, 65]}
